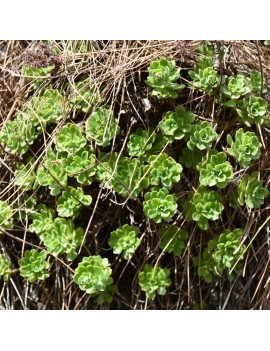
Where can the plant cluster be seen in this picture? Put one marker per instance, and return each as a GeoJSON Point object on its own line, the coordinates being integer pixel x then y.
{"type": "Point", "coordinates": [154, 280]}
{"type": "Point", "coordinates": [101, 127]}
{"type": "Point", "coordinates": [203, 205]}
{"type": "Point", "coordinates": [163, 75]}
{"type": "Point", "coordinates": [236, 88]}
{"type": "Point", "coordinates": [159, 205]}
{"type": "Point", "coordinates": [177, 124]}
{"type": "Point", "coordinates": [253, 110]}
{"type": "Point", "coordinates": [61, 237]}
{"type": "Point", "coordinates": [205, 77]}
{"type": "Point", "coordinates": [125, 240]}
{"type": "Point", "coordinates": [140, 142]}
{"type": "Point", "coordinates": [84, 97]}
{"type": "Point", "coordinates": [201, 136]}
{"type": "Point", "coordinates": [163, 171]}
{"type": "Point", "coordinates": [81, 165]}
{"type": "Point", "coordinates": [93, 275]}
{"type": "Point", "coordinates": [70, 139]}
{"type": "Point", "coordinates": [223, 253]}
{"type": "Point", "coordinates": [51, 173]}
{"type": "Point", "coordinates": [145, 167]}
{"type": "Point", "coordinates": [128, 178]}
{"type": "Point", "coordinates": [241, 94]}
{"type": "Point", "coordinates": [215, 170]}
{"type": "Point", "coordinates": [71, 200]}
{"type": "Point", "coordinates": [251, 191]}
{"type": "Point", "coordinates": [34, 266]}
{"type": "Point", "coordinates": [173, 239]}
{"type": "Point", "coordinates": [19, 134]}
{"type": "Point", "coordinates": [245, 148]}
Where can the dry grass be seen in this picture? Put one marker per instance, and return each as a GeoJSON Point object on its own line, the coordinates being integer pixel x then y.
{"type": "Point", "coordinates": [119, 68]}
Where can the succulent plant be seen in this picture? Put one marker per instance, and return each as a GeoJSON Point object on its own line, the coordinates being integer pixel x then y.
{"type": "Point", "coordinates": [177, 123]}
{"type": "Point", "coordinates": [128, 177]}
{"type": "Point", "coordinates": [101, 127]}
{"type": "Point", "coordinates": [84, 96]}
{"type": "Point", "coordinates": [70, 139]}
{"type": "Point", "coordinates": [25, 176]}
{"type": "Point", "coordinates": [206, 79]}
{"type": "Point", "coordinates": [206, 55]}
{"type": "Point", "coordinates": [51, 173]}
{"type": "Point", "coordinates": [245, 148]}
{"type": "Point", "coordinates": [215, 170]}
{"type": "Point", "coordinates": [236, 87]}
{"type": "Point", "coordinates": [256, 83]}
{"type": "Point", "coordinates": [5, 268]}
{"type": "Point", "coordinates": [37, 72]}
{"type": "Point", "coordinates": [251, 191]}
{"type": "Point", "coordinates": [6, 216]}
{"type": "Point", "coordinates": [162, 77]}
{"type": "Point", "coordinates": [124, 239]}
{"type": "Point", "coordinates": [105, 167]}
{"type": "Point", "coordinates": [154, 280]}
{"type": "Point", "coordinates": [34, 266]}
{"type": "Point", "coordinates": [221, 254]}
{"type": "Point", "coordinates": [49, 107]}
{"type": "Point", "coordinates": [18, 135]}
{"type": "Point", "coordinates": [140, 142]}
{"type": "Point", "coordinates": [201, 136]}
{"type": "Point", "coordinates": [61, 237]}
{"type": "Point", "coordinates": [93, 275]}
{"type": "Point", "coordinates": [159, 145]}
{"type": "Point", "coordinates": [203, 205]}
{"type": "Point", "coordinates": [71, 200]}
{"type": "Point", "coordinates": [163, 170]}
{"type": "Point", "coordinates": [252, 111]}
{"type": "Point", "coordinates": [42, 219]}
{"type": "Point", "coordinates": [173, 239]}
{"type": "Point", "coordinates": [160, 205]}
{"type": "Point", "coordinates": [82, 165]}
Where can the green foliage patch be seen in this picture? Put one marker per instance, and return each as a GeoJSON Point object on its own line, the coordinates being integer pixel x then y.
{"type": "Point", "coordinates": [166, 185]}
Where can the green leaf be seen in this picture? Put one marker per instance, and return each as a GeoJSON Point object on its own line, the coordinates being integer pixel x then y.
{"type": "Point", "coordinates": [221, 254]}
